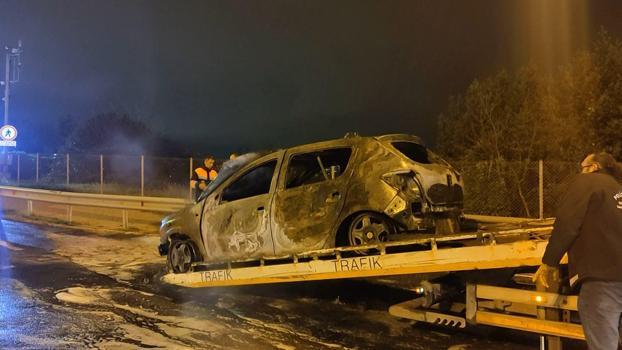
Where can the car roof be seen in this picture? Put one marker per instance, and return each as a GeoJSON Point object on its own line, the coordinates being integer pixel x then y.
{"type": "Point", "coordinates": [400, 137]}
{"type": "Point", "coordinates": [349, 139]}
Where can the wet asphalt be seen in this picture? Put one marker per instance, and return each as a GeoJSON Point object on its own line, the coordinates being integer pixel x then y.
{"type": "Point", "coordinates": [49, 301]}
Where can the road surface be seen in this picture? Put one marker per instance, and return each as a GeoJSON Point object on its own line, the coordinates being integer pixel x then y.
{"type": "Point", "coordinates": [65, 288]}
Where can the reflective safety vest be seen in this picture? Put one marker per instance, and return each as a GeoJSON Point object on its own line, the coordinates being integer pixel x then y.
{"type": "Point", "coordinates": [202, 174]}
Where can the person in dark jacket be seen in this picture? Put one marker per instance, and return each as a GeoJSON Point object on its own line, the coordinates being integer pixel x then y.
{"type": "Point", "coordinates": [588, 226]}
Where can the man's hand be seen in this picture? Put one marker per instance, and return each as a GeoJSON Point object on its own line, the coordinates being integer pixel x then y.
{"type": "Point", "coordinates": [545, 274]}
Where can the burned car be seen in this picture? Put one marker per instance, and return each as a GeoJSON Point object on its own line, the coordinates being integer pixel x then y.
{"type": "Point", "coordinates": [345, 192]}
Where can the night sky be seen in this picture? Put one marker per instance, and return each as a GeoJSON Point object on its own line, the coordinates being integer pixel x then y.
{"type": "Point", "coordinates": [229, 75]}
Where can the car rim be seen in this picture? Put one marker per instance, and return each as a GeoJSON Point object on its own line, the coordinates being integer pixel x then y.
{"type": "Point", "coordinates": [368, 229]}
{"type": "Point", "coordinates": [181, 257]}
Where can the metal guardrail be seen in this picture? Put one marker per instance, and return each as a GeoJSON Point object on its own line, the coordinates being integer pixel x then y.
{"type": "Point", "coordinates": [73, 199]}
{"type": "Point", "coordinates": [149, 204]}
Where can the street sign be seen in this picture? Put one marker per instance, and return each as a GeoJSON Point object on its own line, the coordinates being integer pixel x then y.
{"type": "Point", "coordinates": [8, 133]}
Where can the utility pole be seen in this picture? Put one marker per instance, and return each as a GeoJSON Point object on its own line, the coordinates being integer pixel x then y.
{"type": "Point", "coordinates": [7, 84]}
{"type": "Point", "coordinates": [12, 66]}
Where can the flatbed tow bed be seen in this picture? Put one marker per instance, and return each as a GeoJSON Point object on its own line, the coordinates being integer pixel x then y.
{"type": "Point", "coordinates": [469, 251]}
{"type": "Point", "coordinates": [544, 312]}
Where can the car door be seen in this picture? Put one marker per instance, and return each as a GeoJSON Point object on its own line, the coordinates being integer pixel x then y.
{"type": "Point", "coordinates": [236, 218]}
{"type": "Point", "coordinates": [309, 196]}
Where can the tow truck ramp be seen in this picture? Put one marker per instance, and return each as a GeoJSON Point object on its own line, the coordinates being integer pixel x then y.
{"type": "Point", "coordinates": [550, 315]}
{"type": "Point", "coordinates": [522, 310]}
{"type": "Point", "coordinates": [487, 250]}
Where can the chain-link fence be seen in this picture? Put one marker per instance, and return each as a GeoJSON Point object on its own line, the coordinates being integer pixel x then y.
{"type": "Point", "coordinates": [105, 174]}
{"type": "Point", "coordinates": [519, 189]}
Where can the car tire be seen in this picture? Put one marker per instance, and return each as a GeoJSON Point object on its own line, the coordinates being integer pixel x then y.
{"type": "Point", "coordinates": [369, 228]}
{"type": "Point", "coordinates": [180, 256]}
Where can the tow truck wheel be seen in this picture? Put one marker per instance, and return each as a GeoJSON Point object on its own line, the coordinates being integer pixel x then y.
{"type": "Point", "coordinates": [368, 228]}
{"type": "Point", "coordinates": [180, 256]}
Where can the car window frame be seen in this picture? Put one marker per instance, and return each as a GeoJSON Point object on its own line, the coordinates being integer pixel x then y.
{"type": "Point", "coordinates": [391, 143]}
{"type": "Point", "coordinates": [224, 182]}
{"type": "Point", "coordinates": [244, 172]}
{"type": "Point", "coordinates": [216, 195]}
{"type": "Point", "coordinates": [283, 184]}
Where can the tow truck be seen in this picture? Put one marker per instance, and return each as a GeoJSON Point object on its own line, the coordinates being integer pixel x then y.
{"type": "Point", "coordinates": [517, 305]}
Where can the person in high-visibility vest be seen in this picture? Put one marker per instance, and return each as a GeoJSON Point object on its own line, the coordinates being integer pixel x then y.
{"type": "Point", "coordinates": [202, 176]}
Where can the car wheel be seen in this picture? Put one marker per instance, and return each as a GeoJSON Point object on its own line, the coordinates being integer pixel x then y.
{"type": "Point", "coordinates": [180, 256]}
{"type": "Point", "coordinates": [369, 228]}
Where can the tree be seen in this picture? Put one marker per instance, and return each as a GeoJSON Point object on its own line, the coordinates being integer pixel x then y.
{"type": "Point", "coordinates": [504, 122]}
{"type": "Point", "coordinates": [607, 111]}
{"type": "Point", "coordinates": [586, 102]}
{"type": "Point", "coordinates": [497, 123]}
{"type": "Point", "coordinates": [110, 133]}
{"type": "Point", "coordinates": [115, 133]}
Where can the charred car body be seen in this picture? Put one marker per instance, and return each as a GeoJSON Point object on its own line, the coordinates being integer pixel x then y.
{"type": "Point", "coordinates": [344, 192]}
